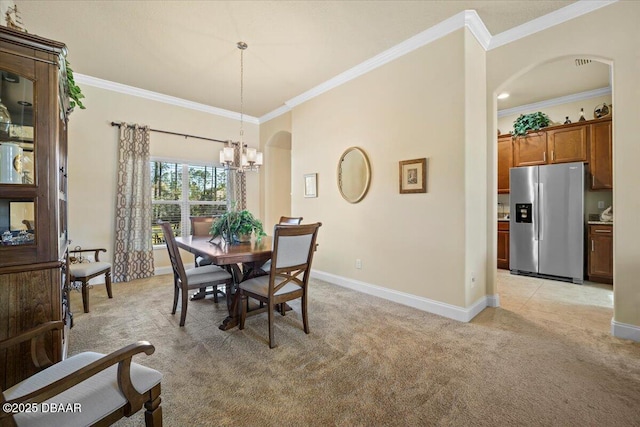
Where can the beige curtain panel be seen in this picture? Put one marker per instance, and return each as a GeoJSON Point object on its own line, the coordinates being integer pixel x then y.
{"type": "Point", "coordinates": [133, 250]}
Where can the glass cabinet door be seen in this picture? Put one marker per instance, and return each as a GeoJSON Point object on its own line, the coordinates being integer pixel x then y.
{"type": "Point", "coordinates": [17, 159]}
{"type": "Point", "coordinates": [16, 129]}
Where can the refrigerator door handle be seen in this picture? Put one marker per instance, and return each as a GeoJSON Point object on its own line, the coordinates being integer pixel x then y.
{"type": "Point", "coordinates": [534, 212]}
{"type": "Point", "coordinates": [540, 210]}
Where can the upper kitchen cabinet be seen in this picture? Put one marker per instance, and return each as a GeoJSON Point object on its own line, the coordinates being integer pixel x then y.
{"type": "Point", "coordinates": [567, 144]}
{"type": "Point", "coordinates": [530, 150]}
{"type": "Point", "coordinates": [601, 156]}
{"type": "Point", "coordinates": [505, 162]}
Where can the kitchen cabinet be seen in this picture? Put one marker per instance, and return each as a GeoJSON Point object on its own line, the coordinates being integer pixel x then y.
{"type": "Point", "coordinates": [33, 189]}
{"type": "Point", "coordinates": [503, 244]}
{"type": "Point", "coordinates": [600, 249]}
{"type": "Point", "coordinates": [505, 162]}
{"type": "Point", "coordinates": [601, 155]}
{"type": "Point", "coordinates": [530, 150]}
{"type": "Point", "coordinates": [567, 144]}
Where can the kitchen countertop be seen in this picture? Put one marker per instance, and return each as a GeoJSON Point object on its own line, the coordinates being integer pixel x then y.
{"type": "Point", "coordinates": [503, 220]}
{"type": "Point", "coordinates": [600, 222]}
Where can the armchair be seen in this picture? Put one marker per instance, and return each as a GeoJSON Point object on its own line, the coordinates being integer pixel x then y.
{"type": "Point", "coordinates": [85, 271]}
{"type": "Point", "coordinates": [93, 388]}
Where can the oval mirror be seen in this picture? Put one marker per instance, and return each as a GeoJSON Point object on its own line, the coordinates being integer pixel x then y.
{"type": "Point", "coordinates": [354, 174]}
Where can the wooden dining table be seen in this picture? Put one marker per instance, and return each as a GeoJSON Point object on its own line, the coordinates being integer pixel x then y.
{"type": "Point", "coordinates": [243, 260]}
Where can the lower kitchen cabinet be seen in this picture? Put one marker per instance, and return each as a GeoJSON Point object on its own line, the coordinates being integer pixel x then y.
{"type": "Point", "coordinates": [600, 249]}
{"type": "Point", "coordinates": [503, 244]}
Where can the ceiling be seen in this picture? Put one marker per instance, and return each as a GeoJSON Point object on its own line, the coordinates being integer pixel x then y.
{"type": "Point", "coordinates": [187, 49]}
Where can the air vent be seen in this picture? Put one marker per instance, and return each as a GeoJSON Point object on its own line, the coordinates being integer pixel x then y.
{"type": "Point", "coordinates": [580, 62]}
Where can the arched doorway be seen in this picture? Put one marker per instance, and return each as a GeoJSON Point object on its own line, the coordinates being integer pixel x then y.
{"type": "Point", "coordinates": [277, 178]}
{"type": "Point", "coordinates": [560, 88]}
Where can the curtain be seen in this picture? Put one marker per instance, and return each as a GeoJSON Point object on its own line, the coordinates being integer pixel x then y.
{"type": "Point", "coordinates": [133, 250]}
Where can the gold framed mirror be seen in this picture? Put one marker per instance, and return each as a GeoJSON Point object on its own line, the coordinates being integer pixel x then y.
{"type": "Point", "coordinates": [354, 174]}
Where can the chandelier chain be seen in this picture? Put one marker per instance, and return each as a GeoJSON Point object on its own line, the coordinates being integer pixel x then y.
{"type": "Point", "coordinates": [242, 46]}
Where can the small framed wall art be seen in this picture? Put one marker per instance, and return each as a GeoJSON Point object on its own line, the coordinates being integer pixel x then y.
{"type": "Point", "coordinates": [413, 176]}
{"type": "Point", "coordinates": [311, 185]}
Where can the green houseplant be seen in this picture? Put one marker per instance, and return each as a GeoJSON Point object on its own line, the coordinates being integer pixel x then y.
{"type": "Point", "coordinates": [531, 121]}
{"type": "Point", "coordinates": [237, 226]}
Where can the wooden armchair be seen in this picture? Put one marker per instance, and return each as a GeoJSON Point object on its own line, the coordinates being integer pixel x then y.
{"type": "Point", "coordinates": [85, 271]}
{"type": "Point", "coordinates": [93, 389]}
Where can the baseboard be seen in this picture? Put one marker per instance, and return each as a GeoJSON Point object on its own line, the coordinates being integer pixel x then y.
{"type": "Point", "coordinates": [625, 331]}
{"type": "Point", "coordinates": [162, 270]}
{"type": "Point", "coordinates": [493, 300]}
{"type": "Point", "coordinates": [431, 306]}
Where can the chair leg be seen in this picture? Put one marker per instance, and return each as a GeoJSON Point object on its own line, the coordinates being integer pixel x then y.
{"type": "Point", "coordinates": [183, 309]}
{"type": "Point", "coordinates": [215, 293]}
{"type": "Point", "coordinates": [107, 282]}
{"type": "Point", "coordinates": [243, 312]}
{"type": "Point", "coordinates": [85, 296]}
{"type": "Point", "coordinates": [272, 342]}
{"type": "Point", "coordinates": [176, 290]}
{"type": "Point", "coordinates": [153, 410]}
{"type": "Point", "coordinates": [305, 320]}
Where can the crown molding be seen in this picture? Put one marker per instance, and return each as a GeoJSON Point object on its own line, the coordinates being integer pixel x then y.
{"type": "Point", "coordinates": [159, 97]}
{"type": "Point", "coordinates": [555, 101]}
{"type": "Point", "coordinates": [475, 25]}
{"type": "Point", "coordinates": [275, 113]}
{"type": "Point", "coordinates": [549, 20]}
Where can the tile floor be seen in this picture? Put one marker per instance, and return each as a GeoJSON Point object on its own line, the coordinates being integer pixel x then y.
{"type": "Point", "coordinates": [588, 306]}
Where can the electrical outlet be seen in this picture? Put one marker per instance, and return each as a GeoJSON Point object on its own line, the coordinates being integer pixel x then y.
{"type": "Point", "coordinates": [358, 264]}
{"type": "Point", "coordinates": [600, 204]}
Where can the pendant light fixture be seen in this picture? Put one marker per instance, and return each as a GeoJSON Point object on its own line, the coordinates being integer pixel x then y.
{"type": "Point", "coordinates": [237, 155]}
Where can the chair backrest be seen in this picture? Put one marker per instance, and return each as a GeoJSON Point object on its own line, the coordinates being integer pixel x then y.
{"type": "Point", "coordinates": [293, 249]}
{"type": "Point", "coordinates": [201, 225]}
{"type": "Point", "coordinates": [290, 220]}
{"type": "Point", "coordinates": [172, 248]}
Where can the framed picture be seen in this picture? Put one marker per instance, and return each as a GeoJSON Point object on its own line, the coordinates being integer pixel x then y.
{"type": "Point", "coordinates": [311, 185]}
{"type": "Point", "coordinates": [413, 176]}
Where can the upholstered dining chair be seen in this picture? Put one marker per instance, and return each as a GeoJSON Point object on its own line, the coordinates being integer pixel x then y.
{"type": "Point", "coordinates": [284, 220]}
{"type": "Point", "coordinates": [288, 279]}
{"type": "Point", "coordinates": [92, 388]}
{"type": "Point", "coordinates": [192, 278]}
{"type": "Point", "coordinates": [81, 271]}
{"type": "Point", "coordinates": [201, 226]}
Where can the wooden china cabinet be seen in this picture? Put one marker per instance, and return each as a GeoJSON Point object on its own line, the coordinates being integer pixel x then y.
{"type": "Point", "coordinates": [33, 195]}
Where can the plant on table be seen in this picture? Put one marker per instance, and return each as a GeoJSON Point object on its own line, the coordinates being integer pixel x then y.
{"type": "Point", "coordinates": [237, 226]}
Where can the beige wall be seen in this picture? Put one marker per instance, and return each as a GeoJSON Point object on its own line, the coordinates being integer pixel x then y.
{"type": "Point", "coordinates": [93, 144]}
{"type": "Point", "coordinates": [275, 142]}
{"type": "Point", "coordinates": [410, 108]}
{"type": "Point", "coordinates": [621, 47]}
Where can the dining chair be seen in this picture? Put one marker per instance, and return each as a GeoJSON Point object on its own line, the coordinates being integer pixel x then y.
{"type": "Point", "coordinates": [284, 220]}
{"type": "Point", "coordinates": [192, 278]}
{"type": "Point", "coordinates": [290, 220]}
{"type": "Point", "coordinates": [201, 226]}
{"type": "Point", "coordinates": [288, 278]}
{"type": "Point", "coordinates": [87, 389]}
{"type": "Point", "coordinates": [82, 269]}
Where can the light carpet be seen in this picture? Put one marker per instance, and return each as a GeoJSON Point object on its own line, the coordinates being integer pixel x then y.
{"type": "Point", "coordinates": [366, 362]}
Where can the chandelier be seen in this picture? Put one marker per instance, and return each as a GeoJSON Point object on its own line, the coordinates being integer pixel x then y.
{"type": "Point", "coordinates": [237, 155]}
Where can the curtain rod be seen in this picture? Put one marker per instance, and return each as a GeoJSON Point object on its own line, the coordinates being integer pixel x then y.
{"type": "Point", "coordinates": [119, 124]}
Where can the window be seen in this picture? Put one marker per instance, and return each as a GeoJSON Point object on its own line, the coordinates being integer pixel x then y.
{"type": "Point", "coordinates": [182, 190]}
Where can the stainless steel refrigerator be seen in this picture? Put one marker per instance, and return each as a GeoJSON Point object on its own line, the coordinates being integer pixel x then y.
{"type": "Point", "coordinates": [546, 226]}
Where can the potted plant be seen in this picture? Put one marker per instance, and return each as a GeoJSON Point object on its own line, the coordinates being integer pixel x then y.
{"type": "Point", "coordinates": [531, 121]}
{"type": "Point", "coordinates": [237, 226]}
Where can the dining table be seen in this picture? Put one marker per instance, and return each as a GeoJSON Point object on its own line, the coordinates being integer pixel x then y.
{"type": "Point", "coordinates": [242, 260]}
